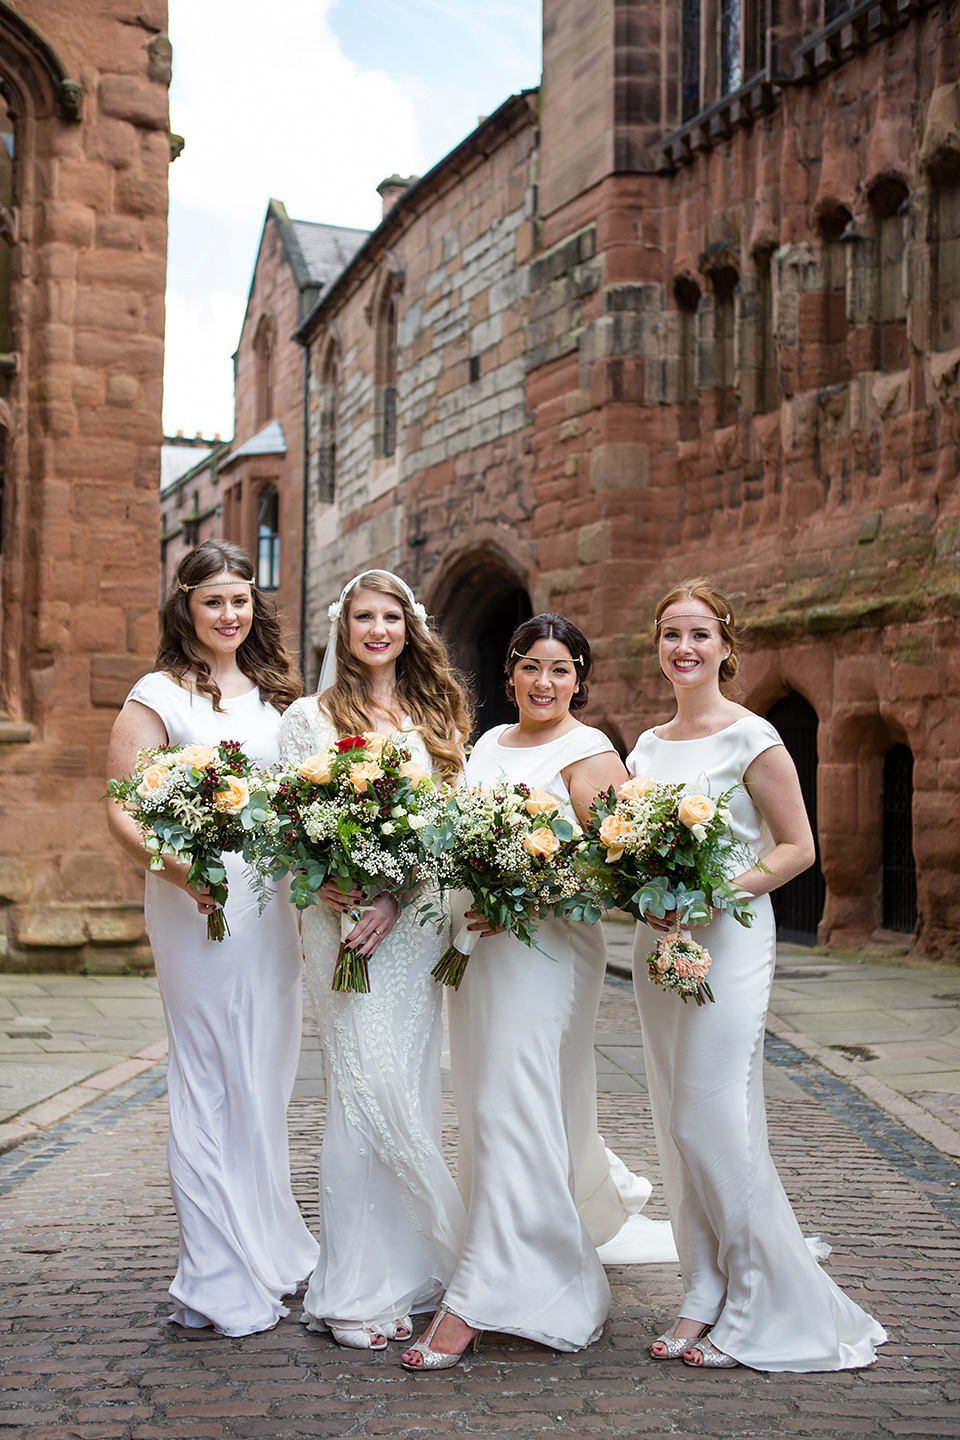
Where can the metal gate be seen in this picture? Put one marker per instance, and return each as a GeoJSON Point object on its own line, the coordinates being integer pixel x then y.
{"type": "Point", "coordinates": [798, 905]}
{"type": "Point", "coordinates": [899, 866]}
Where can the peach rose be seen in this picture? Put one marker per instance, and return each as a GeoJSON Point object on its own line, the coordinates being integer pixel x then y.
{"type": "Point", "coordinates": [541, 843]}
{"type": "Point", "coordinates": [699, 970]}
{"type": "Point", "coordinates": [683, 968]}
{"type": "Point", "coordinates": [662, 962]}
{"type": "Point", "coordinates": [151, 780]}
{"type": "Point", "coordinates": [198, 755]}
{"type": "Point", "coordinates": [636, 786]}
{"type": "Point", "coordinates": [317, 769]}
{"type": "Point", "coordinates": [695, 810]}
{"type": "Point", "coordinates": [375, 741]}
{"type": "Point", "coordinates": [539, 802]}
{"type": "Point", "coordinates": [413, 772]}
{"type": "Point", "coordinates": [234, 796]}
{"type": "Point", "coordinates": [362, 774]}
{"type": "Point", "coordinates": [615, 832]}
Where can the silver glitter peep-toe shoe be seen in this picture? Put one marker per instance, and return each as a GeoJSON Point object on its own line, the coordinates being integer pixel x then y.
{"type": "Point", "coordinates": [436, 1359]}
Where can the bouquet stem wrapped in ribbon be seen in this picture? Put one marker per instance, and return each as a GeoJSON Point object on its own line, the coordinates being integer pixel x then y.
{"type": "Point", "coordinates": [513, 849]}
{"type": "Point", "coordinates": [352, 970]}
{"type": "Point", "coordinates": [193, 803]}
{"type": "Point", "coordinates": [353, 814]}
{"type": "Point", "coordinates": [655, 849]}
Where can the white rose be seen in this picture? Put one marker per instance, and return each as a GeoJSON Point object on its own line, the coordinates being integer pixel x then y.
{"type": "Point", "coordinates": [398, 812]}
{"type": "Point", "coordinates": [387, 828]}
{"type": "Point", "coordinates": [417, 822]}
{"type": "Point", "coordinates": [699, 833]}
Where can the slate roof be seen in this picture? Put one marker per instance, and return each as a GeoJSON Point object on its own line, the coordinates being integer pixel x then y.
{"type": "Point", "coordinates": [326, 249]}
{"type": "Point", "coordinates": [178, 460]}
{"type": "Point", "coordinates": [268, 441]}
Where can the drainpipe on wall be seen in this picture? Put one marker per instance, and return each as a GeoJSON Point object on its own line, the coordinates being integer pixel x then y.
{"type": "Point", "coordinates": [304, 542]}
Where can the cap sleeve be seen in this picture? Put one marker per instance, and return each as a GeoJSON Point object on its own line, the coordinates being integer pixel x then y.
{"type": "Point", "coordinates": [157, 693]}
{"type": "Point", "coordinates": [755, 736]}
{"type": "Point", "coordinates": [583, 743]}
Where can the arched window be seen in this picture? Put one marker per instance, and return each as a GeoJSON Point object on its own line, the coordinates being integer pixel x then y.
{"type": "Point", "coordinates": [687, 295]}
{"type": "Point", "coordinates": [263, 346]}
{"type": "Point", "coordinates": [899, 865]}
{"type": "Point", "coordinates": [268, 538]}
{"type": "Point", "coordinates": [329, 393]}
{"type": "Point", "coordinates": [385, 370]}
{"type": "Point", "coordinates": [721, 48]}
{"type": "Point", "coordinates": [798, 905]}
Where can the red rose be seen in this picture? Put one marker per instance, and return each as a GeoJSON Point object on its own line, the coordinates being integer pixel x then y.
{"type": "Point", "coordinates": [350, 742]}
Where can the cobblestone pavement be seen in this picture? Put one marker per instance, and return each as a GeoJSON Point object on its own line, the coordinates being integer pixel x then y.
{"type": "Point", "coordinates": [89, 1242]}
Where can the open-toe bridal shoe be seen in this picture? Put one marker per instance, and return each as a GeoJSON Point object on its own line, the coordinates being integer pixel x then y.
{"type": "Point", "coordinates": [437, 1359]}
{"type": "Point", "coordinates": [710, 1357]}
{"type": "Point", "coordinates": [360, 1337]}
{"type": "Point", "coordinates": [673, 1345]}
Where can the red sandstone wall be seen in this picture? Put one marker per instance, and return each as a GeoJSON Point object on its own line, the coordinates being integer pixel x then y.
{"type": "Point", "coordinates": [80, 554]}
{"type": "Point", "coordinates": [808, 459]}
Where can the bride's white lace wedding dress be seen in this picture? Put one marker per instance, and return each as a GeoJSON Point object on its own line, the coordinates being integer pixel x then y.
{"type": "Point", "coordinates": [391, 1219]}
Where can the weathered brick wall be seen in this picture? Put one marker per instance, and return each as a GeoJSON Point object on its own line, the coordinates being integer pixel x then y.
{"type": "Point", "coordinates": [80, 547]}
{"type": "Point", "coordinates": [745, 364]}
{"type": "Point", "coordinates": [832, 514]}
{"type": "Point", "coordinates": [462, 461]}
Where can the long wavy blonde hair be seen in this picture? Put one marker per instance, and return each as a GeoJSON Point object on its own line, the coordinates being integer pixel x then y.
{"type": "Point", "coordinates": [429, 690]}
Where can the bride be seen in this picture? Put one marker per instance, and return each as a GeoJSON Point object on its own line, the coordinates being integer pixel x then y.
{"type": "Point", "coordinates": [391, 1220]}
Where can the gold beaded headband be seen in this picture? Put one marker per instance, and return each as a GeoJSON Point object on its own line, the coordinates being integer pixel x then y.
{"type": "Point", "coordinates": [201, 584]}
{"type": "Point", "coordinates": [724, 619]}
{"type": "Point", "coordinates": [550, 660]}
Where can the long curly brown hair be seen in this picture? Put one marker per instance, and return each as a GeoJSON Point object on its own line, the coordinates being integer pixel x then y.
{"type": "Point", "coordinates": [429, 690]}
{"type": "Point", "coordinates": [262, 655]}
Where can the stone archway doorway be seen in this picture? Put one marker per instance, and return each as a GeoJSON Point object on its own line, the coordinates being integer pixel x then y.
{"type": "Point", "coordinates": [479, 607]}
{"type": "Point", "coordinates": [798, 906]}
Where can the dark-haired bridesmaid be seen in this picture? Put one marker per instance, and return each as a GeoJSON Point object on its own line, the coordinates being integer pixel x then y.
{"type": "Point", "coordinates": [532, 1167]}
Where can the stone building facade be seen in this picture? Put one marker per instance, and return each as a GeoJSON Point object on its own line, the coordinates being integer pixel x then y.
{"type": "Point", "coordinates": [84, 153]}
{"type": "Point", "coordinates": [258, 483]}
{"type": "Point", "coordinates": [694, 307]}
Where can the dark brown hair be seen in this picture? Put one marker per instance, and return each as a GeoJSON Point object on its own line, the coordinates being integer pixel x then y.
{"type": "Point", "coordinates": [551, 627]}
{"type": "Point", "coordinates": [429, 690]}
{"type": "Point", "coordinates": [262, 655]}
{"type": "Point", "coordinates": [709, 594]}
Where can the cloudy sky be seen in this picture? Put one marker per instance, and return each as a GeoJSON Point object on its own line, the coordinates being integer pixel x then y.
{"type": "Point", "coordinates": [316, 109]}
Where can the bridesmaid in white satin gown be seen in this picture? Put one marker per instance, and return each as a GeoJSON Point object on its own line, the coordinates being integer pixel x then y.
{"type": "Point", "coordinates": [391, 1219]}
{"type": "Point", "coordinates": [755, 1294]}
{"type": "Point", "coordinates": [233, 1008]}
{"type": "Point", "coordinates": [540, 1189]}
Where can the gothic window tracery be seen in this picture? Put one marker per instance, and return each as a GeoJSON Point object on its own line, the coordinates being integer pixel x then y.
{"type": "Point", "coordinates": [263, 349]}
{"type": "Point", "coordinates": [268, 538]}
{"type": "Point", "coordinates": [329, 396]}
{"type": "Point", "coordinates": [385, 369]}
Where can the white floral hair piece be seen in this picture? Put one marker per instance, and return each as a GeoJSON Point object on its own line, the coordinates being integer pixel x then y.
{"type": "Point", "coordinates": [328, 670]}
{"type": "Point", "coordinates": [335, 610]}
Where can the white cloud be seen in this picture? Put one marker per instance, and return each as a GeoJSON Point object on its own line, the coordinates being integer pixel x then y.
{"type": "Point", "coordinates": [269, 105]}
{"type": "Point", "coordinates": [266, 109]}
{"type": "Point", "coordinates": [198, 373]}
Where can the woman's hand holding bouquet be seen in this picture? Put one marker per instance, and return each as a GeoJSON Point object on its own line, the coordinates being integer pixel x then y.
{"type": "Point", "coordinates": [656, 848]}
{"type": "Point", "coordinates": [193, 803]}
{"type": "Point", "coordinates": [352, 816]}
{"type": "Point", "coordinates": [513, 850]}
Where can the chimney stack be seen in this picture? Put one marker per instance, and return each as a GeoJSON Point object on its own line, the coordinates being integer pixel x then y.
{"type": "Point", "coordinates": [392, 188]}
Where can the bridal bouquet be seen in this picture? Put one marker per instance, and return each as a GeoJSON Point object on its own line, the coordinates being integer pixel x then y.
{"type": "Point", "coordinates": [194, 802]}
{"type": "Point", "coordinates": [655, 848]}
{"type": "Point", "coordinates": [352, 814]}
{"type": "Point", "coordinates": [513, 850]}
